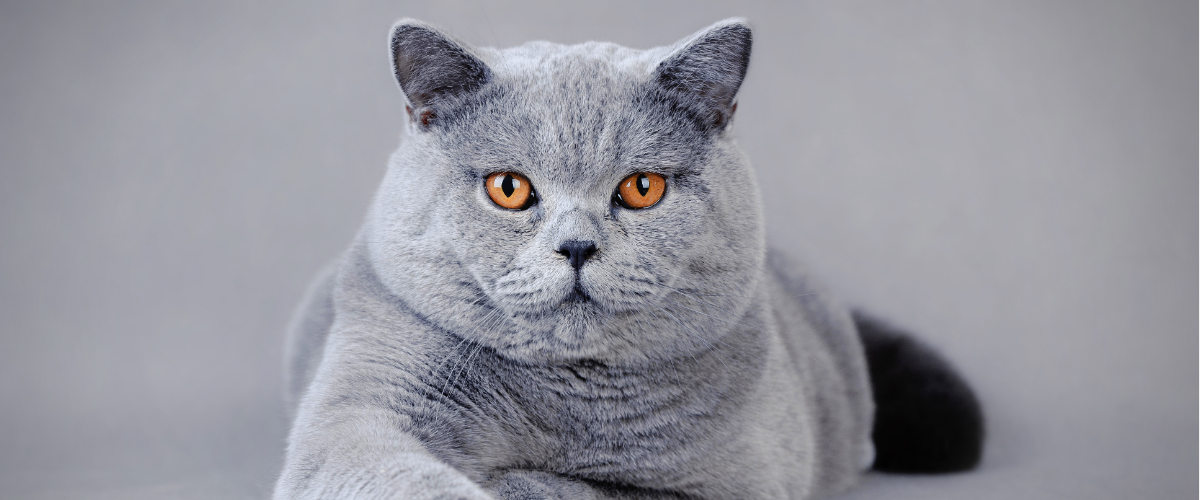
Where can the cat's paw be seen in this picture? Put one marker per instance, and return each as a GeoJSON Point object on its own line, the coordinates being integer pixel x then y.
{"type": "Point", "coordinates": [428, 480]}
{"type": "Point", "coordinates": [537, 485]}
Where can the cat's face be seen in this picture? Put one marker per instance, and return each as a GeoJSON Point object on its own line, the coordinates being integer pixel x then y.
{"type": "Point", "coordinates": [502, 219]}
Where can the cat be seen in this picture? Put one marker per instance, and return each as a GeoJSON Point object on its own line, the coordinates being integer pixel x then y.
{"type": "Point", "coordinates": [562, 290]}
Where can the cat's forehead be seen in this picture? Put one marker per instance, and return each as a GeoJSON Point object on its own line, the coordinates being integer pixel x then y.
{"type": "Point", "coordinates": [545, 61]}
{"type": "Point", "coordinates": [574, 113]}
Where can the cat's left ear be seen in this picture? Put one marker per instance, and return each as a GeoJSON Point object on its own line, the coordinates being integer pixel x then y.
{"type": "Point", "coordinates": [706, 70]}
{"type": "Point", "coordinates": [433, 69]}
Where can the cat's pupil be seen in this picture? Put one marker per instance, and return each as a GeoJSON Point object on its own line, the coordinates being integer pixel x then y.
{"type": "Point", "coordinates": [643, 184]}
{"type": "Point", "coordinates": [507, 185]}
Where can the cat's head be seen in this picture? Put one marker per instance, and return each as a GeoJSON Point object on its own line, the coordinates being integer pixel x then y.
{"type": "Point", "coordinates": [559, 203]}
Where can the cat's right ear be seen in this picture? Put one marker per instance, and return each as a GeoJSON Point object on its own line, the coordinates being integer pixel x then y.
{"type": "Point", "coordinates": [433, 69]}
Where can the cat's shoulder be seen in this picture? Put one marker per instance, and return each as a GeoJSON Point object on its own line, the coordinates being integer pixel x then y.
{"type": "Point", "coordinates": [794, 287]}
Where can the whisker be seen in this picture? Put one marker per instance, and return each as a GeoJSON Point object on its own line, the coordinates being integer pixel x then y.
{"type": "Point", "coordinates": [711, 347]}
{"type": "Point", "coordinates": [694, 282]}
{"type": "Point", "coordinates": [733, 322]}
{"type": "Point", "coordinates": [456, 350]}
{"type": "Point", "coordinates": [467, 362]}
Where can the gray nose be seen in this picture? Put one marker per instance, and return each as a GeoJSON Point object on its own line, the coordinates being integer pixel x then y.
{"type": "Point", "coordinates": [577, 251]}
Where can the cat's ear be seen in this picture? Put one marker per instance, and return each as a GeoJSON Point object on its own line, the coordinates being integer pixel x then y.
{"type": "Point", "coordinates": [433, 69]}
{"type": "Point", "coordinates": [706, 70]}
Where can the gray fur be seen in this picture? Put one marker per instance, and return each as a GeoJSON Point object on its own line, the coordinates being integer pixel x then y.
{"type": "Point", "coordinates": [456, 360]}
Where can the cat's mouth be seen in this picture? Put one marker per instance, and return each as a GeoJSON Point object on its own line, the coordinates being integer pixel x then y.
{"type": "Point", "coordinates": [577, 296]}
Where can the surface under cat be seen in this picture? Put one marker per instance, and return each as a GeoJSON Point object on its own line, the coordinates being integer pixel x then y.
{"type": "Point", "coordinates": [562, 290]}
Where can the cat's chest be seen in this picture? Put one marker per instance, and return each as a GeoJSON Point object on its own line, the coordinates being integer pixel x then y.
{"type": "Point", "coordinates": [657, 425]}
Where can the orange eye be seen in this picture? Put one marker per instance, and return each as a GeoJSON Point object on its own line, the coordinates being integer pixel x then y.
{"type": "Point", "coordinates": [510, 190]}
{"type": "Point", "coordinates": [641, 190]}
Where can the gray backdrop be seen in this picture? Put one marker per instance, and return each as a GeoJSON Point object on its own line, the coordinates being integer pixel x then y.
{"type": "Point", "coordinates": [1017, 181]}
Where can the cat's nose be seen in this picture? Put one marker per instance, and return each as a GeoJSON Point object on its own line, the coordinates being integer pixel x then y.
{"type": "Point", "coordinates": [577, 251]}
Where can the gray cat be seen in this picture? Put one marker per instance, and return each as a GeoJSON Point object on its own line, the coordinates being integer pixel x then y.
{"type": "Point", "coordinates": [562, 290]}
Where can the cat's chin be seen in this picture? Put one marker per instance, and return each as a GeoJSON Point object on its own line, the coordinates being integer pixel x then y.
{"type": "Point", "coordinates": [580, 327]}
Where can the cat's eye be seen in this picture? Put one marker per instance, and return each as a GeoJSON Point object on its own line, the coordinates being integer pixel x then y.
{"type": "Point", "coordinates": [510, 190]}
{"type": "Point", "coordinates": [641, 190]}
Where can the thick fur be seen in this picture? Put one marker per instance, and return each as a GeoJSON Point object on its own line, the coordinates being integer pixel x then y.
{"type": "Point", "coordinates": [455, 352]}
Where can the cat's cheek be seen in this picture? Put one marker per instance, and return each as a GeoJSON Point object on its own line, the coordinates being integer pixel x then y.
{"type": "Point", "coordinates": [670, 234]}
{"type": "Point", "coordinates": [489, 233]}
{"type": "Point", "coordinates": [532, 282]}
{"type": "Point", "coordinates": [619, 290]}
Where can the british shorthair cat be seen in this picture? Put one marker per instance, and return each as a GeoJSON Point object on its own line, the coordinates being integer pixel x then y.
{"type": "Point", "coordinates": [562, 290]}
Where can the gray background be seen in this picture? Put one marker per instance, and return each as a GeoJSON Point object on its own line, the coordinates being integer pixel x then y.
{"type": "Point", "coordinates": [1017, 181]}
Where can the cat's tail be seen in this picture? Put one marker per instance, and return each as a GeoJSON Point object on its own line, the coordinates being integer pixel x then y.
{"type": "Point", "coordinates": [927, 419]}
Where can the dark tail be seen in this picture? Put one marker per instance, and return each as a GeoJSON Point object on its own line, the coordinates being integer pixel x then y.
{"type": "Point", "coordinates": [926, 417]}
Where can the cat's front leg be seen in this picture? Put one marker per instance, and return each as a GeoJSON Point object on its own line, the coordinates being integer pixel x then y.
{"type": "Point", "coordinates": [539, 485]}
{"type": "Point", "coordinates": [368, 458]}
